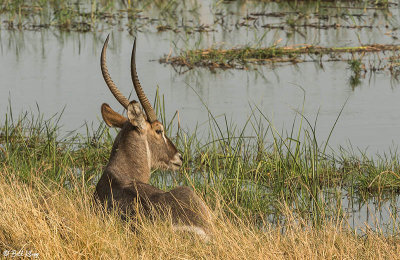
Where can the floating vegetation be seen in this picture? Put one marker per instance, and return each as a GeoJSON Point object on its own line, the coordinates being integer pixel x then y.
{"type": "Point", "coordinates": [240, 58]}
{"type": "Point", "coordinates": [356, 67]}
{"type": "Point", "coordinates": [160, 16]}
{"type": "Point", "coordinates": [91, 15]}
{"type": "Point", "coordinates": [313, 14]}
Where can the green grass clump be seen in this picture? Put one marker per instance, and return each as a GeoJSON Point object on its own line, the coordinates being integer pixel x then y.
{"type": "Point", "coordinates": [356, 67]}
{"type": "Point", "coordinates": [31, 144]}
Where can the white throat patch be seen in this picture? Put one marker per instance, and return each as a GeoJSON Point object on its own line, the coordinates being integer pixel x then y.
{"type": "Point", "coordinates": [165, 139]}
{"type": "Point", "coordinates": [148, 154]}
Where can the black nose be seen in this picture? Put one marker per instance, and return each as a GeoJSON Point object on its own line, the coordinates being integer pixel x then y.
{"type": "Point", "coordinates": [180, 157]}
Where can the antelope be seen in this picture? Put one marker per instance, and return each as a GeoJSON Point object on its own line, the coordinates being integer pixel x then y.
{"type": "Point", "coordinates": [142, 146]}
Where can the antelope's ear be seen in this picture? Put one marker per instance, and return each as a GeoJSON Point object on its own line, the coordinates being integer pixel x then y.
{"type": "Point", "coordinates": [135, 115]}
{"type": "Point", "coordinates": [111, 117]}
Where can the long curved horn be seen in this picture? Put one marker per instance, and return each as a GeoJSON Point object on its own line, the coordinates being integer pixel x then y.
{"type": "Point", "coordinates": [148, 109]}
{"type": "Point", "coordinates": [111, 85]}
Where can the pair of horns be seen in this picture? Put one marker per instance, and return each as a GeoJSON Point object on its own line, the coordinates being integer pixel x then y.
{"type": "Point", "coordinates": [148, 109]}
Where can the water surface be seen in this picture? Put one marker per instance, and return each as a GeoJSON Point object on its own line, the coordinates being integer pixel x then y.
{"type": "Point", "coordinates": [61, 70]}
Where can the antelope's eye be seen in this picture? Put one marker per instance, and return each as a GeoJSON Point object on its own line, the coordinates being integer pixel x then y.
{"type": "Point", "coordinates": [159, 131]}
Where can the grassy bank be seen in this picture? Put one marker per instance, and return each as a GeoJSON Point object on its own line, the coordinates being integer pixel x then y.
{"type": "Point", "coordinates": [273, 195]}
{"type": "Point", "coordinates": [255, 173]}
{"type": "Point", "coordinates": [55, 222]}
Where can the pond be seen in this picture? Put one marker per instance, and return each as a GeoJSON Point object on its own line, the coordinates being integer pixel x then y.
{"type": "Point", "coordinates": [62, 70]}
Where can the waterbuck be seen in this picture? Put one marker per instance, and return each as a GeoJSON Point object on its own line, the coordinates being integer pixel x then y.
{"type": "Point", "coordinates": [142, 146]}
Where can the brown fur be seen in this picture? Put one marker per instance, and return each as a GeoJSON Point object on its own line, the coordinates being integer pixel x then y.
{"type": "Point", "coordinates": [125, 180]}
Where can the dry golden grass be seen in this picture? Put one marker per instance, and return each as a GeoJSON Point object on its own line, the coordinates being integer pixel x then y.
{"type": "Point", "coordinates": [59, 223]}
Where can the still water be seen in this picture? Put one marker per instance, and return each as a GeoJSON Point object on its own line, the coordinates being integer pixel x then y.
{"type": "Point", "coordinates": [61, 70]}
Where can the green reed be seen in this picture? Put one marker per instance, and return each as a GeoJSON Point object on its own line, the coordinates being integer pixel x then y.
{"type": "Point", "coordinates": [255, 168]}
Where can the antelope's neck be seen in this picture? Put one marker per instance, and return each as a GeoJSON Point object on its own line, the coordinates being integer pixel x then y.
{"type": "Point", "coordinates": [130, 158]}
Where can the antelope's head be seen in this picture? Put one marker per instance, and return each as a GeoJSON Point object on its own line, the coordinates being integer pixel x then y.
{"type": "Point", "coordinates": [140, 132]}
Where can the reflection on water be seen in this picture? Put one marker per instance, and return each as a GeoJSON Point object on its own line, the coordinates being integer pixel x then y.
{"type": "Point", "coordinates": [374, 213]}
